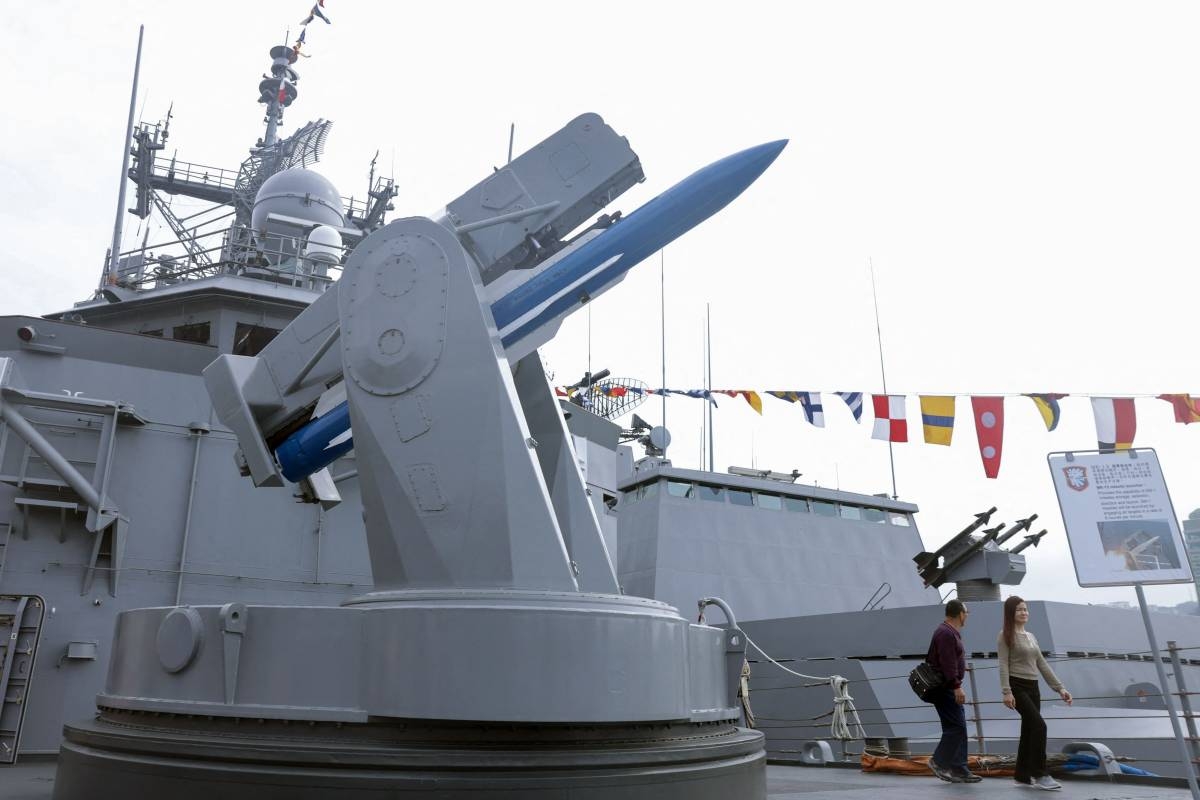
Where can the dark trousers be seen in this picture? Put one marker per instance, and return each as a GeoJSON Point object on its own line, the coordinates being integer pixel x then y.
{"type": "Point", "coordinates": [1031, 752]}
{"type": "Point", "coordinates": [951, 751]}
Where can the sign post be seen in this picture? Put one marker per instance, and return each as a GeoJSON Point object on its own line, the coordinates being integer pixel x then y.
{"type": "Point", "coordinates": [1122, 531]}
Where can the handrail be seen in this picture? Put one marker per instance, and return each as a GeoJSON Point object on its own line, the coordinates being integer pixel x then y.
{"type": "Point", "coordinates": [198, 173]}
{"type": "Point", "coordinates": [876, 599]}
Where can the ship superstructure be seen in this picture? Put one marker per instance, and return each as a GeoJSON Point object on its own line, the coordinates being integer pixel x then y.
{"type": "Point", "coordinates": [116, 487]}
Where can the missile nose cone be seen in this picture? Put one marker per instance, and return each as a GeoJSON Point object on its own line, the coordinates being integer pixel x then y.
{"type": "Point", "coordinates": [743, 168]}
{"type": "Point", "coordinates": [597, 263]}
{"type": "Point", "coordinates": [715, 186]}
{"type": "Point", "coordinates": [764, 155]}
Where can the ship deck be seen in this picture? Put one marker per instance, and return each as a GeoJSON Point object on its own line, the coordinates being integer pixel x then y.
{"type": "Point", "coordinates": [35, 781]}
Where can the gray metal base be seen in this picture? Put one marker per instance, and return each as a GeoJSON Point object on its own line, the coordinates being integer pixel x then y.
{"type": "Point", "coordinates": [122, 754]}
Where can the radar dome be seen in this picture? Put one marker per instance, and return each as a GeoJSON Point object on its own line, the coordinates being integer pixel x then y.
{"type": "Point", "coordinates": [301, 194]}
{"type": "Point", "coordinates": [324, 244]}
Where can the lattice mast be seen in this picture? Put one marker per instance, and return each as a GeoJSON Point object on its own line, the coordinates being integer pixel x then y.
{"type": "Point", "coordinates": [209, 249]}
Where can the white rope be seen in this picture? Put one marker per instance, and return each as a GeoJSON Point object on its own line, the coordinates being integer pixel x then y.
{"type": "Point", "coordinates": [844, 712]}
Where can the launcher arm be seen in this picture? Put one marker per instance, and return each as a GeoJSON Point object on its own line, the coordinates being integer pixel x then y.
{"type": "Point", "coordinates": [262, 398]}
{"type": "Point", "coordinates": [517, 218]}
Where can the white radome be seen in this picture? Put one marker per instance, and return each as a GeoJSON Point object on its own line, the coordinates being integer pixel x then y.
{"type": "Point", "coordinates": [300, 194]}
{"type": "Point", "coordinates": [324, 244]}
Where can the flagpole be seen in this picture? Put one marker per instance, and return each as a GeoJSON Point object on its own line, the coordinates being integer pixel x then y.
{"type": "Point", "coordinates": [708, 387]}
{"type": "Point", "coordinates": [882, 372]}
{"type": "Point", "coordinates": [703, 410]}
{"type": "Point", "coordinates": [662, 318]}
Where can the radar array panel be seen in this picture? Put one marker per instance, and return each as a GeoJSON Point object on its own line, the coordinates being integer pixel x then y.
{"type": "Point", "coordinates": [302, 149]}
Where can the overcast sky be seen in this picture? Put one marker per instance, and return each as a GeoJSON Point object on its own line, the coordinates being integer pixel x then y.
{"type": "Point", "coordinates": [1022, 175]}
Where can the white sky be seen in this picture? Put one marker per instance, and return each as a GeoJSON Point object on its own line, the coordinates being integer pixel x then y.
{"type": "Point", "coordinates": [1023, 175]}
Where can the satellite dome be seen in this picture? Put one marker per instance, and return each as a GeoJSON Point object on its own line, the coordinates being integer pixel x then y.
{"type": "Point", "coordinates": [301, 194]}
{"type": "Point", "coordinates": [324, 244]}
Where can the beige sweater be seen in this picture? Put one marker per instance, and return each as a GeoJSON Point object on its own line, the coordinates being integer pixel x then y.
{"type": "Point", "coordinates": [1023, 660]}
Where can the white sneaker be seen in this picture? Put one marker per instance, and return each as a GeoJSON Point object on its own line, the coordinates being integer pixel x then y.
{"type": "Point", "coordinates": [1048, 783]}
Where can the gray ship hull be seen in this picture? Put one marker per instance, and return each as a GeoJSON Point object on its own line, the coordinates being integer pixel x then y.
{"type": "Point", "coordinates": [1092, 649]}
{"type": "Point", "coordinates": [196, 533]}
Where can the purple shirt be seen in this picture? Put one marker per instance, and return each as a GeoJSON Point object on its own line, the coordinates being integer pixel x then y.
{"type": "Point", "coordinates": [946, 652]}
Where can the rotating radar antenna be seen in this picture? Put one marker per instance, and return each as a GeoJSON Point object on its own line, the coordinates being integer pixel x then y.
{"type": "Point", "coordinates": [606, 396]}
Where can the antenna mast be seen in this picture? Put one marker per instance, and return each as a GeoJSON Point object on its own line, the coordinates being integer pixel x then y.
{"type": "Point", "coordinates": [882, 371]}
{"type": "Point", "coordinates": [708, 385]}
{"type": "Point", "coordinates": [278, 92]}
{"type": "Point", "coordinates": [662, 300]}
{"type": "Point", "coordinates": [110, 276]}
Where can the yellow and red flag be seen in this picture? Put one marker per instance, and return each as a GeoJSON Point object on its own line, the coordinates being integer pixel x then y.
{"type": "Point", "coordinates": [1187, 408]}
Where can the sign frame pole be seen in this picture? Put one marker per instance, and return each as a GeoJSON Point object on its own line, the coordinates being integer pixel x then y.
{"type": "Point", "coordinates": [1095, 491]}
{"type": "Point", "coordinates": [1184, 752]}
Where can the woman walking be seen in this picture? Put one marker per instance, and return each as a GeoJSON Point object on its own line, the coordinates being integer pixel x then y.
{"type": "Point", "coordinates": [1021, 660]}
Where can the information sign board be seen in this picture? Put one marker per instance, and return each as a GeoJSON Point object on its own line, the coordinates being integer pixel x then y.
{"type": "Point", "coordinates": [1120, 523]}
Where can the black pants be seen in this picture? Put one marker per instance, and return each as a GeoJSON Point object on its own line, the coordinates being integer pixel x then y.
{"type": "Point", "coordinates": [1031, 752]}
{"type": "Point", "coordinates": [951, 751]}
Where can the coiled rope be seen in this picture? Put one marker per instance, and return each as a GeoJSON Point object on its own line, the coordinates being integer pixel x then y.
{"type": "Point", "coordinates": [845, 718]}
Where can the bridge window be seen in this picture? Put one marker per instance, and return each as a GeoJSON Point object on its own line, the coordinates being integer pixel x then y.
{"type": "Point", "coordinates": [796, 504]}
{"type": "Point", "coordinates": [713, 493]}
{"type": "Point", "coordinates": [741, 497]}
{"type": "Point", "coordinates": [850, 512]}
{"type": "Point", "coordinates": [198, 332]}
{"type": "Point", "coordinates": [896, 518]}
{"type": "Point", "coordinates": [824, 508]}
{"type": "Point", "coordinates": [249, 340]}
{"type": "Point", "coordinates": [681, 489]}
{"type": "Point", "coordinates": [771, 501]}
{"type": "Point", "coordinates": [874, 515]}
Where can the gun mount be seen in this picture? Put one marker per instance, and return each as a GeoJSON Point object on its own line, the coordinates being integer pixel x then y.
{"type": "Point", "coordinates": [978, 565]}
{"type": "Point", "coordinates": [496, 651]}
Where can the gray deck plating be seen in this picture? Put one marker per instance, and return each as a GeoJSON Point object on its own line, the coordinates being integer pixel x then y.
{"type": "Point", "coordinates": [35, 781]}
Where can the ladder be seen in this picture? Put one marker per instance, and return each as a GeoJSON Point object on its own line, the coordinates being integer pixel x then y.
{"type": "Point", "coordinates": [20, 628]}
{"type": "Point", "coordinates": [4, 536]}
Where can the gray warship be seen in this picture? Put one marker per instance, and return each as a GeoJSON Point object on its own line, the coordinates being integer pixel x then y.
{"type": "Point", "coordinates": [120, 492]}
{"type": "Point", "coordinates": [473, 639]}
{"type": "Point", "coordinates": [834, 583]}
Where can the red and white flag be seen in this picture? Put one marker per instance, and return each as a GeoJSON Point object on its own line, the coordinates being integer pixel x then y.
{"type": "Point", "coordinates": [1116, 423]}
{"type": "Point", "coordinates": [989, 429]}
{"type": "Point", "coordinates": [891, 421]}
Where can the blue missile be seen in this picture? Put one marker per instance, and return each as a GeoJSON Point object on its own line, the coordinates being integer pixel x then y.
{"type": "Point", "coordinates": [579, 276]}
{"type": "Point", "coordinates": [528, 314]}
{"type": "Point", "coordinates": [317, 445]}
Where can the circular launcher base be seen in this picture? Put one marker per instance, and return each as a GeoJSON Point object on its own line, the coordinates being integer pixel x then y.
{"type": "Point", "coordinates": [122, 754]}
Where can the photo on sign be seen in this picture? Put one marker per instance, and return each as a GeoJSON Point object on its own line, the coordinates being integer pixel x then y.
{"type": "Point", "coordinates": [1138, 544]}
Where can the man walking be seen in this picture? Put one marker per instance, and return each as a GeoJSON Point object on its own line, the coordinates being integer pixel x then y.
{"type": "Point", "coordinates": [946, 653]}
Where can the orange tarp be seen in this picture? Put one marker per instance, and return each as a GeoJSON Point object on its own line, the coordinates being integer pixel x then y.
{"type": "Point", "coordinates": [988, 766]}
